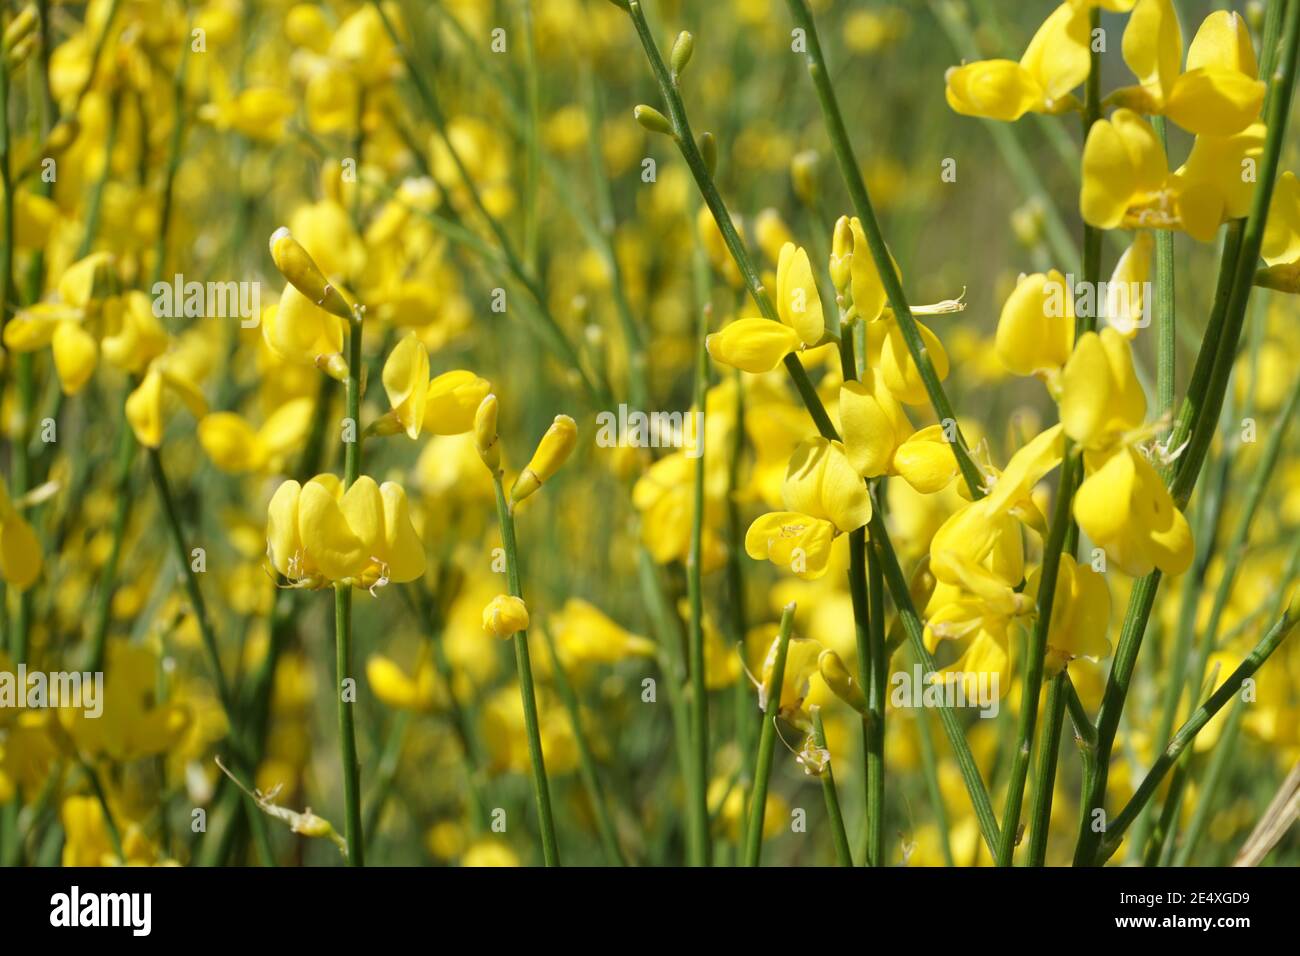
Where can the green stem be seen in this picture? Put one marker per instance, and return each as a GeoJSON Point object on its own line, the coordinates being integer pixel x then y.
{"type": "Point", "coordinates": [876, 682]}
{"type": "Point", "coordinates": [699, 779]}
{"type": "Point", "coordinates": [1040, 804]}
{"type": "Point", "coordinates": [1166, 331]}
{"type": "Point", "coordinates": [524, 667]}
{"type": "Point", "coordinates": [767, 740]}
{"type": "Point", "coordinates": [351, 767]}
{"type": "Point", "coordinates": [838, 837]}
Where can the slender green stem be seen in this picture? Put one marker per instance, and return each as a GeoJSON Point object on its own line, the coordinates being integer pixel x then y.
{"type": "Point", "coordinates": [767, 740]}
{"type": "Point", "coordinates": [699, 779]}
{"type": "Point", "coordinates": [838, 837]}
{"type": "Point", "coordinates": [524, 667]}
{"type": "Point", "coordinates": [1040, 804]}
{"type": "Point", "coordinates": [876, 681]}
{"type": "Point", "coordinates": [345, 680]}
{"type": "Point", "coordinates": [344, 676]}
{"type": "Point", "coordinates": [1193, 726]}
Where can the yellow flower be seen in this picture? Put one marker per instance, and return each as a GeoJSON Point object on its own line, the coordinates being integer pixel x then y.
{"type": "Point", "coordinates": [824, 496]}
{"type": "Point", "coordinates": [406, 382]}
{"type": "Point", "coordinates": [1124, 507]}
{"type": "Point", "coordinates": [1219, 93]}
{"type": "Point", "coordinates": [1080, 614]}
{"type": "Point", "coordinates": [1125, 175]}
{"type": "Point", "coordinates": [1101, 399]}
{"type": "Point", "coordinates": [297, 265]}
{"type": "Point", "coordinates": [840, 681]}
{"type": "Point", "coordinates": [505, 615]}
{"type": "Point", "coordinates": [1036, 328]}
{"type": "Point", "coordinates": [1211, 186]}
{"type": "Point", "coordinates": [301, 333]}
{"type": "Point", "coordinates": [1056, 61]}
{"type": "Point", "coordinates": [1122, 504]}
{"type": "Point", "coordinates": [585, 635]}
{"type": "Point", "coordinates": [145, 404]}
{"type": "Point", "coordinates": [756, 345]}
{"type": "Point", "coordinates": [394, 687]}
{"type": "Point", "coordinates": [236, 447]}
{"type": "Point", "coordinates": [318, 534]}
{"type": "Point", "coordinates": [552, 451]}
{"type": "Point", "coordinates": [258, 112]}
{"type": "Point", "coordinates": [20, 551]}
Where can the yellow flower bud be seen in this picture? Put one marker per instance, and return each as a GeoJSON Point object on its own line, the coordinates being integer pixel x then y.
{"type": "Point", "coordinates": [297, 265]}
{"type": "Point", "coordinates": [485, 433]}
{"type": "Point", "coordinates": [552, 451]}
{"type": "Point", "coordinates": [505, 615]}
{"type": "Point", "coordinates": [841, 262]}
{"type": "Point", "coordinates": [840, 681]}
{"type": "Point", "coordinates": [803, 174]}
{"type": "Point", "coordinates": [709, 151]}
{"type": "Point", "coordinates": [683, 47]}
{"type": "Point", "coordinates": [652, 120]}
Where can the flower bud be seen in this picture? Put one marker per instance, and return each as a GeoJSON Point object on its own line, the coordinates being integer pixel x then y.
{"type": "Point", "coordinates": [803, 174]}
{"type": "Point", "coordinates": [334, 365]}
{"type": "Point", "coordinates": [683, 47]}
{"type": "Point", "coordinates": [297, 265]}
{"type": "Point", "coordinates": [505, 615]}
{"type": "Point", "coordinates": [841, 264]}
{"type": "Point", "coordinates": [651, 119]}
{"type": "Point", "coordinates": [552, 451]}
{"type": "Point", "coordinates": [485, 433]}
{"type": "Point", "coordinates": [840, 681]}
{"type": "Point", "coordinates": [709, 152]}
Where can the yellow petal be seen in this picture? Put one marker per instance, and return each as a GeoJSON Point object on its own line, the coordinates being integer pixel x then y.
{"type": "Point", "coordinates": [1153, 45]}
{"type": "Point", "coordinates": [752, 345]}
{"type": "Point", "coordinates": [453, 398]}
{"type": "Point", "coordinates": [75, 355]}
{"type": "Point", "coordinates": [994, 89]}
{"type": "Point", "coordinates": [283, 543]}
{"type": "Point", "coordinates": [144, 409]}
{"type": "Point", "coordinates": [870, 436]}
{"type": "Point", "coordinates": [900, 372]}
{"type": "Point", "coordinates": [1036, 328]}
{"type": "Point", "coordinates": [821, 483]}
{"type": "Point", "coordinates": [797, 300]}
{"type": "Point", "coordinates": [1211, 102]}
{"type": "Point", "coordinates": [403, 549]}
{"type": "Point", "coordinates": [230, 442]}
{"type": "Point", "coordinates": [328, 541]}
{"type": "Point", "coordinates": [796, 542]}
{"type": "Point", "coordinates": [925, 461]}
{"type": "Point", "coordinates": [1222, 42]}
{"type": "Point", "coordinates": [1058, 57]}
{"type": "Point", "coordinates": [406, 381]}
